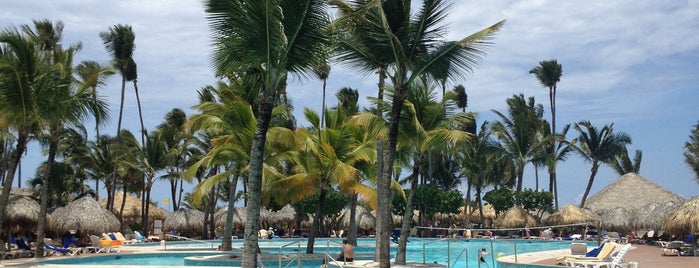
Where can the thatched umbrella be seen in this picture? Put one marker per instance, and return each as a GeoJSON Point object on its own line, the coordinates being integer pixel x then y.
{"type": "Point", "coordinates": [684, 220]}
{"type": "Point", "coordinates": [633, 202]}
{"type": "Point", "coordinates": [184, 220]}
{"type": "Point", "coordinates": [570, 215]}
{"type": "Point", "coordinates": [365, 220]}
{"type": "Point", "coordinates": [132, 207]}
{"type": "Point", "coordinates": [239, 217]}
{"type": "Point", "coordinates": [515, 217]}
{"type": "Point", "coordinates": [488, 213]}
{"type": "Point", "coordinates": [21, 210]}
{"type": "Point", "coordinates": [286, 214]}
{"type": "Point", "coordinates": [84, 214]}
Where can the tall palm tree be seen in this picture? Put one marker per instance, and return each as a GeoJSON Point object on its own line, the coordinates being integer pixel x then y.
{"type": "Point", "coordinates": [622, 164]}
{"type": "Point", "coordinates": [414, 47]}
{"type": "Point", "coordinates": [691, 151]}
{"type": "Point", "coordinates": [119, 41]}
{"type": "Point", "coordinates": [519, 133]}
{"type": "Point", "coordinates": [270, 39]}
{"type": "Point", "coordinates": [598, 146]}
{"type": "Point", "coordinates": [549, 74]}
{"type": "Point", "coordinates": [22, 70]}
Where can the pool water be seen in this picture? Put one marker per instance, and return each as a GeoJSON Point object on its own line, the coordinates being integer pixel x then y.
{"type": "Point", "coordinates": [456, 253]}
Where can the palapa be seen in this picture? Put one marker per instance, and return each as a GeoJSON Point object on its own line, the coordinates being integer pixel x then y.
{"type": "Point", "coordinates": [132, 207]}
{"type": "Point", "coordinates": [365, 220]}
{"type": "Point", "coordinates": [286, 214]}
{"type": "Point", "coordinates": [488, 213]}
{"type": "Point", "coordinates": [570, 214]}
{"type": "Point", "coordinates": [684, 220]}
{"type": "Point", "coordinates": [21, 210]}
{"type": "Point", "coordinates": [184, 220]}
{"type": "Point", "coordinates": [515, 217]}
{"type": "Point", "coordinates": [633, 202]}
{"type": "Point", "coordinates": [84, 214]}
{"type": "Point", "coordinates": [240, 216]}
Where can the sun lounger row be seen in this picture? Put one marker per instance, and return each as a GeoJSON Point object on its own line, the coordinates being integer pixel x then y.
{"type": "Point", "coordinates": [601, 256]}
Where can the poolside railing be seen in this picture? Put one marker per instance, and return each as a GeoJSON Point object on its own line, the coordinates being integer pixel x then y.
{"type": "Point", "coordinates": [449, 261]}
{"type": "Point", "coordinates": [298, 253]}
{"type": "Point", "coordinates": [211, 245]}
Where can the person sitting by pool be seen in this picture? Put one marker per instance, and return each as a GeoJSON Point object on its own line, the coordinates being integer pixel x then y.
{"type": "Point", "coordinates": [347, 253]}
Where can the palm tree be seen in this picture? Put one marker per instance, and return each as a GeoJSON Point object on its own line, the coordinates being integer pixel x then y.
{"type": "Point", "coordinates": [22, 70]}
{"type": "Point", "coordinates": [413, 47]}
{"type": "Point", "coordinates": [622, 164]}
{"type": "Point", "coordinates": [268, 39]}
{"type": "Point", "coordinates": [691, 151]}
{"type": "Point", "coordinates": [519, 133]}
{"type": "Point", "coordinates": [598, 146]}
{"type": "Point", "coordinates": [119, 41]}
{"type": "Point", "coordinates": [549, 74]}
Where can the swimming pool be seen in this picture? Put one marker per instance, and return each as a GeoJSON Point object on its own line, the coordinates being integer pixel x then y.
{"type": "Point", "coordinates": [442, 251]}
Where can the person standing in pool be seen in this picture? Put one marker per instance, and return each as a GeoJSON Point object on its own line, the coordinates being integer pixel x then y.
{"type": "Point", "coordinates": [347, 253]}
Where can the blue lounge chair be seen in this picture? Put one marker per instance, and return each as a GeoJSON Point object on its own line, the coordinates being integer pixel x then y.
{"type": "Point", "coordinates": [52, 250]}
{"type": "Point", "coordinates": [139, 237]}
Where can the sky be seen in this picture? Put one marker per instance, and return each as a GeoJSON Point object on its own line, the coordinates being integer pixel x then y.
{"type": "Point", "coordinates": [629, 63]}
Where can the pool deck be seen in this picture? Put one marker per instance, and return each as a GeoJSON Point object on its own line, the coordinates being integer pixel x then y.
{"type": "Point", "coordinates": [644, 255]}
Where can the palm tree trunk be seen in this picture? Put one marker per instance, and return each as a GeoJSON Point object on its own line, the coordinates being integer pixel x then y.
{"type": "Point", "coordinates": [22, 139]}
{"type": "Point", "coordinates": [226, 242]}
{"type": "Point", "coordinates": [593, 173]}
{"type": "Point", "coordinates": [407, 216]}
{"type": "Point", "coordinates": [110, 196]}
{"type": "Point", "coordinates": [41, 225]}
{"type": "Point", "coordinates": [251, 247]}
{"type": "Point", "coordinates": [315, 228]}
{"type": "Point", "coordinates": [383, 185]}
{"type": "Point", "coordinates": [352, 232]}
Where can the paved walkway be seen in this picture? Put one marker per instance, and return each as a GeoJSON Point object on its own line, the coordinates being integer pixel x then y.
{"type": "Point", "coordinates": [645, 256]}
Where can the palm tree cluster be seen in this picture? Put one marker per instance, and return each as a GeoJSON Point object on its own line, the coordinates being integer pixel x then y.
{"type": "Point", "coordinates": [244, 132]}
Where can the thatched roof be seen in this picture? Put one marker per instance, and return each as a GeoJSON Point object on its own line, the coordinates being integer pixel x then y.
{"type": "Point", "coordinates": [21, 210]}
{"type": "Point", "coordinates": [515, 217]}
{"type": "Point", "coordinates": [184, 220]}
{"type": "Point", "coordinates": [683, 220]}
{"type": "Point", "coordinates": [570, 214]}
{"type": "Point", "coordinates": [132, 207]}
{"type": "Point", "coordinates": [632, 201]}
{"type": "Point", "coordinates": [84, 214]}
{"type": "Point", "coordinates": [284, 215]}
{"type": "Point", "coordinates": [239, 217]}
{"type": "Point", "coordinates": [365, 220]}
{"type": "Point", "coordinates": [488, 213]}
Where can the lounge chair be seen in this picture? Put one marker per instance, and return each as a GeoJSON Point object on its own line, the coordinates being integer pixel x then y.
{"type": "Point", "coordinates": [120, 237]}
{"type": "Point", "coordinates": [97, 245]}
{"type": "Point", "coordinates": [597, 254]}
{"type": "Point", "coordinates": [139, 237]}
{"type": "Point", "coordinates": [616, 261]}
{"type": "Point", "coordinates": [53, 250]}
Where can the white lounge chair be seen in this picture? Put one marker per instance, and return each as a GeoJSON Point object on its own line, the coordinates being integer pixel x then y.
{"type": "Point", "coordinates": [616, 261]}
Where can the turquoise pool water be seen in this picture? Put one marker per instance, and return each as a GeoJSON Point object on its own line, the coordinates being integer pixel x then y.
{"type": "Point", "coordinates": [441, 251]}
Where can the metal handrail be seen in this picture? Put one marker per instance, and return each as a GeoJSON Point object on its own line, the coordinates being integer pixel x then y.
{"type": "Point", "coordinates": [492, 256]}
{"type": "Point", "coordinates": [328, 256]}
{"type": "Point", "coordinates": [463, 252]}
{"type": "Point", "coordinates": [190, 239]}
{"type": "Point", "coordinates": [298, 253]}
{"type": "Point", "coordinates": [432, 242]}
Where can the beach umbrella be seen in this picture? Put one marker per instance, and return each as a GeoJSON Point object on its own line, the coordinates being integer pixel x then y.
{"type": "Point", "coordinates": [684, 220]}
{"type": "Point", "coordinates": [84, 214]}
{"type": "Point", "coordinates": [365, 220]}
{"type": "Point", "coordinates": [570, 214]}
{"type": "Point", "coordinates": [286, 214]}
{"type": "Point", "coordinates": [488, 213]}
{"type": "Point", "coordinates": [21, 210]}
{"type": "Point", "coordinates": [184, 220]}
{"type": "Point", "coordinates": [132, 207]}
{"type": "Point", "coordinates": [633, 202]}
{"type": "Point", "coordinates": [515, 217]}
{"type": "Point", "coordinates": [239, 217]}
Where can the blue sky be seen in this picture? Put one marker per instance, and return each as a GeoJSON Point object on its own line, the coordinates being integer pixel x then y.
{"type": "Point", "coordinates": [630, 63]}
